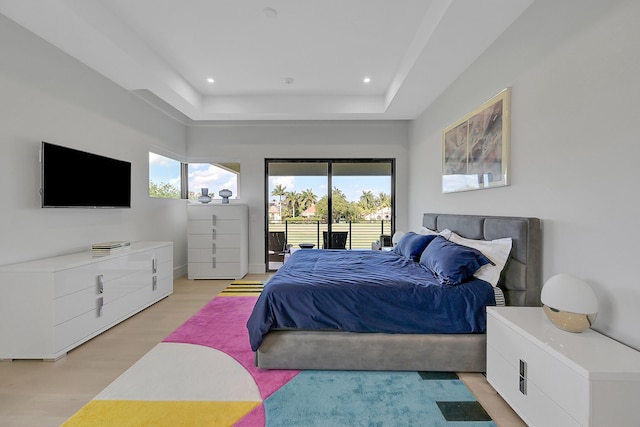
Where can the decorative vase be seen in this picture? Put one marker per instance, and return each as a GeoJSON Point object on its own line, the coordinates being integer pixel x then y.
{"type": "Point", "coordinates": [225, 194]}
{"type": "Point", "coordinates": [204, 198]}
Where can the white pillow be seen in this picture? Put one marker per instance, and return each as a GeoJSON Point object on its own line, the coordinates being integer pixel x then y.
{"type": "Point", "coordinates": [496, 250]}
{"type": "Point", "coordinates": [428, 232]}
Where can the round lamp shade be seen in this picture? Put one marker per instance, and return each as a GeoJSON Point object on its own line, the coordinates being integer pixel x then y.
{"type": "Point", "coordinates": [396, 237]}
{"type": "Point", "coordinates": [569, 302]}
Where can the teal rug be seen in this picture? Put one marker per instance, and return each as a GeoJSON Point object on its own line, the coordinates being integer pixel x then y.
{"type": "Point", "coordinates": [369, 398]}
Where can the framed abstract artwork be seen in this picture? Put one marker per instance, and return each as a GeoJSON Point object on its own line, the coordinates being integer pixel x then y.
{"type": "Point", "coordinates": [476, 148]}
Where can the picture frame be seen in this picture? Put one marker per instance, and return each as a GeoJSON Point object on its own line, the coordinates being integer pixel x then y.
{"type": "Point", "coordinates": [476, 148]}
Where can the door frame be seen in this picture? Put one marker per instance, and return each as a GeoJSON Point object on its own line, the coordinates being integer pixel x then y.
{"type": "Point", "coordinates": [330, 162]}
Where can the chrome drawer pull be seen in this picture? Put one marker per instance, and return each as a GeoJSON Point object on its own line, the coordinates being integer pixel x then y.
{"type": "Point", "coordinates": [100, 284]}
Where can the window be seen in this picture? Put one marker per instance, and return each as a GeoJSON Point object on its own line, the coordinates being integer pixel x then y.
{"type": "Point", "coordinates": [214, 177]}
{"type": "Point", "coordinates": [171, 179]}
{"type": "Point", "coordinates": [164, 177]}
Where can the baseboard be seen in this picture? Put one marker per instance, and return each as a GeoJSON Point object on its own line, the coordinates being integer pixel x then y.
{"type": "Point", "coordinates": [180, 271]}
{"type": "Point", "coordinates": [257, 268]}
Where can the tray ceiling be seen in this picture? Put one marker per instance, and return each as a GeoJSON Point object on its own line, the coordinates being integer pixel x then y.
{"type": "Point", "coordinates": [274, 60]}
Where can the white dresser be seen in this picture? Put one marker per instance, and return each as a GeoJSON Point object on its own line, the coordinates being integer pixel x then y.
{"type": "Point", "coordinates": [52, 305]}
{"type": "Point", "coordinates": [554, 378]}
{"type": "Point", "coordinates": [218, 241]}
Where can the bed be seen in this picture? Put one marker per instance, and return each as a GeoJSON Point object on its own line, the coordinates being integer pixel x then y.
{"type": "Point", "coordinates": [319, 344]}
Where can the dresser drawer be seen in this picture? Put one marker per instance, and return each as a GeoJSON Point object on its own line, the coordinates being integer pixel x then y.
{"type": "Point", "coordinates": [203, 241]}
{"type": "Point", "coordinates": [105, 270]}
{"type": "Point", "coordinates": [562, 385]}
{"type": "Point", "coordinates": [77, 330]}
{"type": "Point", "coordinates": [221, 270]}
{"type": "Point", "coordinates": [74, 305]}
{"type": "Point", "coordinates": [214, 213]}
{"type": "Point", "coordinates": [164, 286]}
{"type": "Point", "coordinates": [126, 285]}
{"type": "Point", "coordinates": [535, 407]}
{"type": "Point", "coordinates": [220, 255]}
{"type": "Point", "coordinates": [75, 279]}
{"type": "Point", "coordinates": [164, 254]}
{"type": "Point", "coordinates": [223, 226]}
{"type": "Point", "coordinates": [165, 269]}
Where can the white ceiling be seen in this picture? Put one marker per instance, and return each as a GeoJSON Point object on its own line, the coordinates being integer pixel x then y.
{"type": "Point", "coordinates": [165, 50]}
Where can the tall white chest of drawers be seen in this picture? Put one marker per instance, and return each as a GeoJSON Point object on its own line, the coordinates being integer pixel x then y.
{"type": "Point", "coordinates": [553, 378]}
{"type": "Point", "coordinates": [218, 241]}
{"type": "Point", "coordinates": [52, 305]}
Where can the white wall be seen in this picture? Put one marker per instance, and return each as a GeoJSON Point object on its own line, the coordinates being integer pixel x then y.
{"type": "Point", "coordinates": [47, 95]}
{"type": "Point", "coordinates": [251, 143]}
{"type": "Point", "coordinates": [573, 66]}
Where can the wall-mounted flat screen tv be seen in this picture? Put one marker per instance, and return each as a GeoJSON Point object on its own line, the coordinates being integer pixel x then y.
{"type": "Point", "coordinates": [77, 179]}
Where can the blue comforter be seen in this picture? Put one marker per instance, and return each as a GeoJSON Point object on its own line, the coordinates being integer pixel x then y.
{"type": "Point", "coordinates": [365, 291]}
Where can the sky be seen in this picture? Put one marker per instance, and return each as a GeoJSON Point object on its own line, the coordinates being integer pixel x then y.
{"type": "Point", "coordinates": [351, 186]}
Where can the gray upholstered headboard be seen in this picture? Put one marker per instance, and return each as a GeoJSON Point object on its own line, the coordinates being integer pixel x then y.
{"type": "Point", "coordinates": [521, 279]}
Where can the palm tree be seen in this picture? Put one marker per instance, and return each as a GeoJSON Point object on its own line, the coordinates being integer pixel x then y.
{"type": "Point", "coordinates": [367, 201]}
{"type": "Point", "coordinates": [307, 198]}
{"type": "Point", "coordinates": [279, 191]}
{"type": "Point", "coordinates": [384, 200]}
{"type": "Point", "coordinates": [293, 201]}
{"type": "Point", "coordinates": [340, 206]}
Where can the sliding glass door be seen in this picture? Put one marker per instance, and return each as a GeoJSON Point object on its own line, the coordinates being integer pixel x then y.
{"type": "Point", "coordinates": [302, 212]}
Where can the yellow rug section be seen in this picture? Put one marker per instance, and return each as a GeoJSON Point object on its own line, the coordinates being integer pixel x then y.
{"type": "Point", "coordinates": [137, 413]}
{"type": "Point", "coordinates": [243, 288]}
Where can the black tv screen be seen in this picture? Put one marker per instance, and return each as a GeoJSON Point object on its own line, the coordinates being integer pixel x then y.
{"type": "Point", "coordinates": [77, 179]}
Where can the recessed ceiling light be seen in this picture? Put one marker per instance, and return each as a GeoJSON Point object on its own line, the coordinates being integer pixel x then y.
{"type": "Point", "coordinates": [270, 12]}
{"type": "Point", "coordinates": [210, 79]}
{"type": "Point", "coordinates": [366, 80]}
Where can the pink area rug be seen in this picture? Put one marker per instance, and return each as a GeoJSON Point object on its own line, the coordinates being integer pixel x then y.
{"type": "Point", "coordinates": [221, 324]}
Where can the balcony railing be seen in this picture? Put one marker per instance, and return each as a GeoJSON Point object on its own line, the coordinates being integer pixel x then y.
{"type": "Point", "coordinates": [360, 234]}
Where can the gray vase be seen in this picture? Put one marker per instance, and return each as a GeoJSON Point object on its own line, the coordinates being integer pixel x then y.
{"type": "Point", "coordinates": [204, 198]}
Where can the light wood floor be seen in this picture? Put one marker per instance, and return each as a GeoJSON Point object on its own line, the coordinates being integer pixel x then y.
{"type": "Point", "coordinates": [44, 394]}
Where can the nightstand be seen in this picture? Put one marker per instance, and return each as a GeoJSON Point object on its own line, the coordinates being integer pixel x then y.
{"type": "Point", "coordinates": [555, 378]}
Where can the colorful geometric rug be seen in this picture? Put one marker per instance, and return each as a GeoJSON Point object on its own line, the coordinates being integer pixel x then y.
{"type": "Point", "coordinates": [203, 374]}
{"type": "Point", "coordinates": [240, 288]}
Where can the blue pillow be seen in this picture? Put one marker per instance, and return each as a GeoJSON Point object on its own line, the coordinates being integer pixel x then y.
{"type": "Point", "coordinates": [451, 263]}
{"type": "Point", "coordinates": [411, 245]}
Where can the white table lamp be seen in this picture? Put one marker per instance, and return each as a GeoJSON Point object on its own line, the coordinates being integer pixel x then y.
{"type": "Point", "coordinates": [569, 302]}
{"type": "Point", "coordinates": [396, 237]}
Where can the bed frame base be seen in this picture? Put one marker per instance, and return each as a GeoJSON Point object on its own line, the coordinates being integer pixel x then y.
{"type": "Point", "coordinates": [372, 351]}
